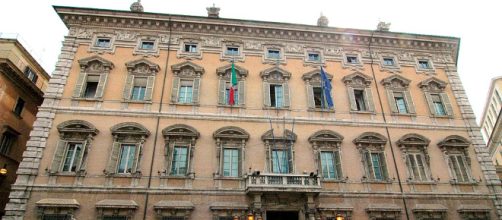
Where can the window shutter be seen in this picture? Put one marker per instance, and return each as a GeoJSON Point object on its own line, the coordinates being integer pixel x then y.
{"type": "Point", "coordinates": [242, 93]}
{"type": "Point", "coordinates": [136, 166]}
{"type": "Point", "coordinates": [114, 154]}
{"type": "Point", "coordinates": [338, 165]}
{"type": "Point", "coordinates": [58, 156]}
{"type": "Point", "coordinates": [384, 166]}
{"type": "Point", "coordinates": [352, 99]}
{"type": "Point", "coordinates": [221, 92]}
{"type": "Point", "coordinates": [310, 97]}
{"type": "Point", "coordinates": [266, 94]}
{"type": "Point", "coordinates": [80, 160]}
{"type": "Point", "coordinates": [240, 162]}
{"type": "Point", "coordinates": [174, 89]}
{"type": "Point", "coordinates": [101, 85]}
{"type": "Point", "coordinates": [128, 87]}
{"type": "Point", "coordinates": [196, 88]}
{"type": "Point", "coordinates": [409, 165]}
{"type": "Point", "coordinates": [285, 89]}
{"type": "Point", "coordinates": [369, 99]}
{"type": "Point", "coordinates": [367, 165]}
{"type": "Point", "coordinates": [447, 104]}
{"type": "Point", "coordinates": [428, 98]}
{"type": "Point", "coordinates": [392, 101]}
{"type": "Point", "coordinates": [409, 102]}
{"type": "Point", "coordinates": [149, 88]}
{"type": "Point", "coordinates": [79, 85]}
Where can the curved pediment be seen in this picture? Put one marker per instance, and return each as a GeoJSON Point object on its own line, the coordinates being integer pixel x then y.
{"type": "Point", "coordinates": [129, 128]}
{"type": "Point", "coordinates": [432, 84]}
{"type": "Point", "coordinates": [357, 78]}
{"type": "Point", "coordinates": [187, 68]}
{"type": "Point", "coordinates": [288, 135]}
{"type": "Point", "coordinates": [275, 73]}
{"type": "Point", "coordinates": [326, 136]}
{"type": "Point", "coordinates": [315, 75]}
{"type": "Point", "coordinates": [370, 138]}
{"type": "Point", "coordinates": [77, 126]}
{"type": "Point", "coordinates": [142, 66]}
{"type": "Point", "coordinates": [180, 130]}
{"type": "Point", "coordinates": [396, 81]}
{"type": "Point", "coordinates": [231, 132]}
{"type": "Point", "coordinates": [413, 139]}
{"type": "Point", "coordinates": [454, 141]}
{"type": "Point", "coordinates": [95, 63]}
{"type": "Point", "coordinates": [225, 71]}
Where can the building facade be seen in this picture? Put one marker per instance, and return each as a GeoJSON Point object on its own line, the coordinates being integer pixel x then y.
{"type": "Point", "coordinates": [491, 124]}
{"type": "Point", "coordinates": [137, 124]}
{"type": "Point", "coordinates": [22, 82]}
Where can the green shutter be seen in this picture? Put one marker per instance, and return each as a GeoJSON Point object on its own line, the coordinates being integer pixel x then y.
{"type": "Point", "coordinates": [149, 88]}
{"type": "Point", "coordinates": [384, 166]}
{"type": "Point", "coordinates": [428, 98]}
{"type": "Point", "coordinates": [369, 99]}
{"type": "Point", "coordinates": [447, 104]}
{"type": "Point", "coordinates": [221, 92]}
{"type": "Point", "coordinates": [240, 162]}
{"type": "Point", "coordinates": [310, 96]}
{"type": "Point", "coordinates": [409, 102]}
{"type": "Point", "coordinates": [58, 156]}
{"type": "Point", "coordinates": [79, 85]}
{"type": "Point", "coordinates": [242, 93]}
{"type": "Point", "coordinates": [367, 165]}
{"type": "Point", "coordinates": [352, 99]}
{"type": "Point", "coordinates": [392, 101]}
{"type": "Point", "coordinates": [338, 164]}
{"type": "Point", "coordinates": [266, 94]}
{"type": "Point", "coordinates": [409, 166]}
{"type": "Point", "coordinates": [174, 89]}
{"type": "Point", "coordinates": [111, 167]}
{"type": "Point", "coordinates": [101, 85]}
{"type": "Point", "coordinates": [195, 92]}
{"type": "Point", "coordinates": [128, 87]}
{"type": "Point", "coordinates": [287, 100]}
{"type": "Point", "coordinates": [80, 160]}
{"type": "Point", "coordinates": [136, 165]}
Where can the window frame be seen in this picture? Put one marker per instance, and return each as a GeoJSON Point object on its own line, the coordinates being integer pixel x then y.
{"type": "Point", "coordinates": [313, 81]}
{"type": "Point", "coordinates": [99, 40]}
{"type": "Point", "coordinates": [92, 66]}
{"type": "Point", "coordinates": [436, 87]}
{"type": "Point", "coordinates": [30, 74]}
{"type": "Point", "coordinates": [457, 146]}
{"type": "Point", "coordinates": [284, 142]}
{"type": "Point", "coordinates": [12, 136]}
{"type": "Point", "coordinates": [74, 158]}
{"type": "Point", "coordinates": [369, 144]}
{"type": "Point", "coordinates": [267, 56]}
{"type": "Point", "coordinates": [414, 144]}
{"type": "Point", "coordinates": [179, 135]}
{"type": "Point", "coordinates": [174, 161]}
{"type": "Point", "coordinates": [279, 77]}
{"type": "Point", "coordinates": [361, 82]}
{"type": "Point", "coordinates": [419, 64]}
{"type": "Point", "coordinates": [139, 69]}
{"type": "Point", "coordinates": [235, 138]}
{"type": "Point", "coordinates": [19, 107]}
{"type": "Point", "coordinates": [185, 72]}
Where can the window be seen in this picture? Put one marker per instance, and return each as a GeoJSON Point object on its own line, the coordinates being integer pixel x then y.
{"type": "Point", "coordinates": [400, 102]}
{"type": "Point", "coordinates": [398, 94]}
{"type": "Point", "coordinates": [387, 61]}
{"type": "Point", "coordinates": [360, 101]}
{"type": "Point", "coordinates": [414, 149]}
{"type": "Point", "coordinates": [224, 85]}
{"type": "Point", "coordinates": [375, 165]}
{"type": "Point", "coordinates": [424, 64]}
{"type": "Point", "coordinates": [417, 167]}
{"type": "Point", "coordinates": [190, 48]}
{"type": "Point", "coordinates": [371, 146]}
{"type": "Point", "coordinates": [180, 142]}
{"type": "Point", "coordinates": [140, 80]}
{"type": "Point", "coordinates": [318, 97]}
{"type": "Point", "coordinates": [459, 168]}
{"type": "Point", "coordinates": [56, 217]}
{"type": "Point", "coordinates": [314, 57]}
{"type": "Point", "coordinates": [436, 97]}
{"type": "Point", "coordinates": [91, 81]}
{"type": "Point", "coordinates": [232, 51]}
{"type": "Point", "coordinates": [280, 161]}
{"type": "Point", "coordinates": [326, 145]}
{"type": "Point", "coordinates": [30, 74]}
{"type": "Point", "coordinates": [276, 96]}
{"type": "Point", "coordinates": [280, 151]}
{"type": "Point", "coordinates": [352, 59]}
{"type": "Point", "coordinates": [91, 86]}
{"type": "Point", "coordinates": [103, 42]}
{"type": "Point", "coordinates": [115, 217]}
{"type": "Point", "coordinates": [275, 88]}
{"type": "Point", "coordinates": [438, 105]}
{"type": "Point", "coordinates": [227, 94]}
{"type": "Point", "coordinates": [18, 108]}
{"type": "Point", "coordinates": [147, 45]}
{"type": "Point", "coordinates": [330, 165]}
{"type": "Point", "coordinates": [73, 155]}
{"type": "Point", "coordinates": [186, 83]}
{"type": "Point", "coordinates": [273, 54]}
{"type": "Point", "coordinates": [179, 162]}
{"type": "Point", "coordinates": [359, 92]}
{"type": "Point", "coordinates": [185, 92]}
{"type": "Point", "coordinates": [456, 151]}
{"type": "Point", "coordinates": [230, 162]}
{"type": "Point", "coordinates": [139, 88]}
{"type": "Point", "coordinates": [230, 141]}
{"type": "Point", "coordinates": [6, 142]}
{"type": "Point", "coordinates": [127, 157]}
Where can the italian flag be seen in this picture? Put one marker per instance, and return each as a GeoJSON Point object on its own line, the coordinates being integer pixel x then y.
{"type": "Point", "coordinates": [233, 87]}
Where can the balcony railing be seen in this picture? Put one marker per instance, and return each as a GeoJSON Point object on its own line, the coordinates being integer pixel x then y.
{"type": "Point", "coordinates": [283, 182]}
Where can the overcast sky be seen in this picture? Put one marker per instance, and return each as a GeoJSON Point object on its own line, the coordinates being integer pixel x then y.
{"type": "Point", "coordinates": [477, 23]}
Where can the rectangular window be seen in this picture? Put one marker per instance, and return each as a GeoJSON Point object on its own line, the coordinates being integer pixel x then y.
{"type": "Point", "coordinates": [276, 95]}
{"type": "Point", "coordinates": [91, 86]}
{"type": "Point", "coordinates": [498, 96]}
{"type": "Point", "coordinates": [318, 97]}
{"type": "Point", "coordinates": [376, 169]}
{"type": "Point", "coordinates": [314, 57]}
{"type": "Point", "coordinates": [147, 45]}
{"type": "Point", "coordinates": [227, 94]}
{"type": "Point", "coordinates": [73, 154]}
{"type": "Point", "coordinates": [400, 102]}
{"type": "Point", "coordinates": [115, 217]}
{"type": "Point", "coordinates": [127, 156]}
{"type": "Point", "coordinates": [280, 161]}
{"type": "Point", "coordinates": [231, 162]}
{"type": "Point", "coordinates": [459, 168]}
{"type": "Point", "coordinates": [438, 104]}
{"type": "Point", "coordinates": [179, 166]}
{"type": "Point", "coordinates": [103, 42]}
{"type": "Point", "coordinates": [424, 64]}
{"type": "Point", "coordinates": [139, 88]}
{"type": "Point", "coordinates": [186, 92]}
{"type": "Point", "coordinates": [18, 109]}
{"type": "Point", "coordinates": [6, 142]}
{"type": "Point", "coordinates": [232, 51]}
{"type": "Point", "coordinates": [360, 100]}
{"type": "Point", "coordinates": [190, 48]}
{"type": "Point", "coordinates": [56, 217]}
{"type": "Point", "coordinates": [30, 74]}
{"type": "Point", "coordinates": [273, 54]}
{"type": "Point", "coordinates": [330, 165]}
{"type": "Point", "coordinates": [376, 162]}
{"type": "Point", "coordinates": [417, 167]}
{"type": "Point", "coordinates": [387, 61]}
{"type": "Point", "coordinates": [351, 59]}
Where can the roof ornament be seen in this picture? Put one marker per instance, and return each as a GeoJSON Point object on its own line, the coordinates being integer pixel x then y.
{"type": "Point", "coordinates": [213, 12]}
{"type": "Point", "coordinates": [136, 6]}
{"type": "Point", "coordinates": [382, 26]}
{"type": "Point", "coordinates": [322, 21]}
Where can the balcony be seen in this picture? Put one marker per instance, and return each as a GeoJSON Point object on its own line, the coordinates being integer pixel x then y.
{"type": "Point", "coordinates": [283, 183]}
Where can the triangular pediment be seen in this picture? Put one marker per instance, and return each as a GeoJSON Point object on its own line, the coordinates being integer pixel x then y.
{"type": "Point", "coordinates": [186, 67]}
{"type": "Point", "coordinates": [396, 81]}
{"type": "Point", "coordinates": [357, 78]}
{"type": "Point", "coordinates": [142, 66]}
{"type": "Point", "coordinates": [94, 62]}
{"type": "Point", "coordinates": [275, 73]}
{"type": "Point", "coordinates": [77, 126]}
{"type": "Point", "coordinates": [433, 83]}
{"type": "Point", "coordinates": [315, 75]}
{"type": "Point", "coordinates": [455, 141]}
{"type": "Point", "coordinates": [225, 70]}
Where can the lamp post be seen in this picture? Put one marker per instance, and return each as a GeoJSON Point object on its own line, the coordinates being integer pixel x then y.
{"type": "Point", "coordinates": [250, 216]}
{"type": "Point", "coordinates": [3, 173]}
{"type": "Point", "coordinates": [339, 217]}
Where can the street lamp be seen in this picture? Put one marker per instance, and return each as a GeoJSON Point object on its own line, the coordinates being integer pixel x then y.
{"type": "Point", "coordinates": [250, 216]}
{"type": "Point", "coordinates": [339, 217]}
{"type": "Point", "coordinates": [3, 172]}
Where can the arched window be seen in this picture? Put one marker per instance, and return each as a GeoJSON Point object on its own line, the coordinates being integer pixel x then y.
{"type": "Point", "coordinates": [186, 83]}
{"type": "Point", "coordinates": [140, 80]}
{"type": "Point", "coordinates": [326, 145]}
{"type": "Point", "coordinates": [276, 88]}
{"type": "Point", "coordinates": [455, 151]}
{"type": "Point", "coordinates": [92, 77]}
{"type": "Point", "coordinates": [280, 152]}
{"type": "Point", "coordinates": [371, 146]}
{"type": "Point", "coordinates": [231, 145]}
{"type": "Point", "coordinates": [179, 149]}
{"type": "Point", "coordinates": [414, 149]}
{"type": "Point", "coordinates": [224, 85]}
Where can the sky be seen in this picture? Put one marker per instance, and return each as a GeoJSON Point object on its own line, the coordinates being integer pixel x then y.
{"type": "Point", "coordinates": [477, 23]}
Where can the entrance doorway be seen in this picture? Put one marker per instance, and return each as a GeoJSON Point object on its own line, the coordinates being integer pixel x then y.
{"type": "Point", "coordinates": [282, 215]}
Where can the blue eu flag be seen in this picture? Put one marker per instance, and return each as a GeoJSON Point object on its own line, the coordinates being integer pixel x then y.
{"type": "Point", "coordinates": [326, 89]}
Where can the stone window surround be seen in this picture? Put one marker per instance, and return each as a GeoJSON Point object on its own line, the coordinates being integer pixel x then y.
{"type": "Point", "coordinates": [115, 207]}
{"type": "Point", "coordinates": [313, 63]}
{"type": "Point", "coordinates": [280, 48]}
{"type": "Point", "coordinates": [229, 43]}
{"type": "Point", "coordinates": [430, 212]}
{"type": "Point", "coordinates": [276, 75]}
{"type": "Point", "coordinates": [229, 209]}
{"type": "Point", "coordinates": [428, 58]}
{"type": "Point", "coordinates": [143, 68]}
{"type": "Point", "coordinates": [416, 143]}
{"type": "Point", "coordinates": [9, 130]}
{"type": "Point", "coordinates": [474, 211]}
{"type": "Point", "coordinates": [56, 206]}
{"type": "Point", "coordinates": [94, 65]}
{"type": "Point", "coordinates": [403, 86]}
{"type": "Point", "coordinates": [327, 140]}
{"type": "Point", "coordinates": [383, 210]}
{"type": "Point", "coordinates": [230, 137]}
{"type": "Point", "coordinates": [102, 50]}
{"type": "Point", "coordinates": [372, 142]}
{"type": "Point", "coordinates": [186, 71]}
{"type": "Point", "coordinates": [393, 69]}
{"type": "Point", "coordinates": [434, 85]}
{"type": "Point", "coordinates": [190, 55]}
{"type": "Point", "coordinates": [455, 144]}
{"type": "Point", "coordinates": [145, 52]}
{"type": "Point", "coordinates": [313, 79]}
{"type": "Point", "coordinates": [271, 141]}
{"type": "Point", "coordinates": [224, 77]}
{"type": "Point", "coordinates": [167, 208]}
{"type": "Point", "coordinates": [327, 211]}
{"type": "Point", "coordinates": [357, 54]}
{"type": "Point", "coordinates": [175, 135]}
{"type": "Point", "coordinates": [358, 80]}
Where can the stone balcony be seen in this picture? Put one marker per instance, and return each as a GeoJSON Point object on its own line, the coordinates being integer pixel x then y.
{"type": "Point", "coordinates": [269, 182]}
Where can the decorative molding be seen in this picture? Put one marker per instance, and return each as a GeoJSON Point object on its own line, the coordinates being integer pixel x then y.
{"type": "Point", "coordinates": [94, 48]}
{"type": "Point", "coordinates": [154, 51]}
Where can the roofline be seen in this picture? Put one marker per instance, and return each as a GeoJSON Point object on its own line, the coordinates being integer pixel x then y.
{"type": "Point", "coordinates": [488, 97]}
{"type": "Point", "coordinates": [29, 56]}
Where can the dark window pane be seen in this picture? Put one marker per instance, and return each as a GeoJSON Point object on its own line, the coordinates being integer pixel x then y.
{"type": "Point", "coordinates": [423, 64]}
{"type": "Point", "coordinates": [318, 97]}
{"type": "Point", "coordinates": [56, 217]}
{"type": "Point", "coordinates": [274, 54]}
{"type": "Point", "coordinates": [103, 42]}
{"type": "Point", "coordinates": [6, 143]}
{"type": "Point", "coordinates": [114, 217]}
{"type": "Point", "coordinates": [90, 89]}
{"type": "Point", "coordinates": [388, 61]}
{"type": "Point", "coordinates": [352, 59]}
{"type": "Point", "coordinates": [314, 57]}
{"type": "Point", "coordinates": [360, 101]}
{"type": "Point", "coordinates": [18, 109]}
{"type": "Point", "coordinates": [232, 51]}
{"type": "Point", "coordinates": [147, 45]}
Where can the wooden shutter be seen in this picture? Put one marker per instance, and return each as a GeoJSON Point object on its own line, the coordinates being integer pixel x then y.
{"type": "Point", "coordinates": [222, 85]}
{"type": "Point", "coordinates": [79, 85]}
{"type": "Point", "coordinates": [137, 157]}
{"type": "Point", "coordinates": [384, 165]}
{"type": "Point", "coordinates": [409, 166]}
{"type": "Point", "coordinates": [195, 90]}
{"type": "Point", "coordinates": [239, 150]}
{"type": "Point", "coordinates": [111, 167]}
{"type": "Point", "coordinates": [409, 102]}
{"type": "Point", "coordinates": [352, 99]}
{"type": "Point", "coordinates": [150, 82]}
{"type": "Point", "coordinates": [128, 87]}
{"type": "Point", "coordinates": [367, 165]}
{"type": "Point", "coordinates": [369, 99]}
{"type": "Point", "coordinates": [266, 94]}
{"type": "Point", "coordinates": [392, 101]}
{"type": "Point", "coordinates": [447, 104]}
{"type": "Point", "coordinates": [428, 98]}
{"type": "Point", "coordinates": [174, 89]}
{"type": "Point", "coordinates": [338, 164]}
{"type": "Point", "coordinates": [242, 93]}
{"type": "Point", "coordinates": [310, 96]}
{"type": "Point", "coordinates": [101, 85]}
{"type": "Point", "coordinates": [80, 160]}
{"type": "Point", "coordinates": [285, 90]}
{"type": "Point", "coordinates": [58, 156]}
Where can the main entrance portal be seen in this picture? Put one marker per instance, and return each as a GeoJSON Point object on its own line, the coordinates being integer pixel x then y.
{"type": "Point", "coordinates": [282, 215]}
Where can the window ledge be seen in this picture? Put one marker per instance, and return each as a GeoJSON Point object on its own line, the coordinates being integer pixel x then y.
{"type": "Point", "coordinates": [75, 174]}
{"type": "Point", "coordinates": [275, 108]}
{"type": "Point", "coordinates": [137, 101]}
{"type": "Point", "coordinates": [472, 182]}
{"type": "Point", "coordinates": [188, 176]}
{"type": "Point", "coordinates": [387, 181]}
{"type": "Point", "coordinates": [321, 110]}
{"type": "Point", "coordinates": [362, 112]}
{"type": "Point", "coordinates": [125, 175]}
{"type": "Point", "coordinates": [87, 99]}
{"type": "Point", "coordinates": [185, 104]}
{"type": "Point", "coordinates": [403, 114]}
{"type": "Point", "coordinates": [16, 115]}
{"type": "Point", "coordinates": [417, 182]}
{"type": "Point", "coordinates": [230, 106]}
{"type": "Point", "coordinates": [334, 180]}
{"type": "Point", "coordinates": [228, 178]}
{"type": "Point", "coordinates": [441, 116]}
